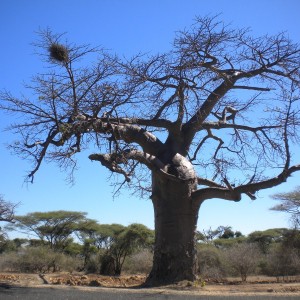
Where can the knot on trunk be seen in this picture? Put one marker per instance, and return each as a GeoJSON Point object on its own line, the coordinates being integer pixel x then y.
{"type": "Point", "coordinates": [181, 168]}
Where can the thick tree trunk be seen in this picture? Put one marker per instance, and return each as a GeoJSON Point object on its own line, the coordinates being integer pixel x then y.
{"type": "Point", "coordinates": [175, 257]}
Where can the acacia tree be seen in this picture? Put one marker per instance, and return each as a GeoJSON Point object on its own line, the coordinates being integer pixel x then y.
{"type": "Point", "coordinates": [123, 243]}
{"type": "Point", "coordinates": [214, 117]}
{"type": "Point", "coordinates": [53, 227]}
{"type": "Point", "coordinates": [290, 203]}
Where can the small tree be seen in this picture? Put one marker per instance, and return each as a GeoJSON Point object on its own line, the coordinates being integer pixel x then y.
{"type": "Point", "coordinates": [125, 243]}
{"type": "Point", "coordinates": [243, 258]}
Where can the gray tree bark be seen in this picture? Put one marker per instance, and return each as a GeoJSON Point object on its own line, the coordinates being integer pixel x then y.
{"type": "Point", "coordinates": [176, 215]}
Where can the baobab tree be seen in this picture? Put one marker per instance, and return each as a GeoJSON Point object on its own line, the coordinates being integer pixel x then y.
{"type": "Point", "coordinates": [215, 117]}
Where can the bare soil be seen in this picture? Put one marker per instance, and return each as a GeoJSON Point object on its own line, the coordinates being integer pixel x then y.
{"type": "Point", "coordinates": [232, 286]}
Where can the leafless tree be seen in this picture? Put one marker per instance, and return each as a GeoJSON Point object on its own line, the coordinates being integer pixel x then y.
{"type": "Point", "coordinates": [215, 117]}
{"type": "Point", "coordinates": [243, 258]}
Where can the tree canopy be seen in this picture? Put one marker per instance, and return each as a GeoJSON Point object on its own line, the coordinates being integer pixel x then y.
{"type": "Point", "coordinates": [124, 243]}
{"type": "Point", "coordinates": [290, 203]}
{"type": "Point", "coordinates": [220, 96]}
{"type": "Point", "coordinates": [53, 227]}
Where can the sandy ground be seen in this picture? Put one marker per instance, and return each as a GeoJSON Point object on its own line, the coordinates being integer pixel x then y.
{"type": "Point", "coordinates": [254, 286]}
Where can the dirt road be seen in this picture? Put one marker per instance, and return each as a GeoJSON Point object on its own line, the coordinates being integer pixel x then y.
{"type": "Point", "coordinates": [75, 293]}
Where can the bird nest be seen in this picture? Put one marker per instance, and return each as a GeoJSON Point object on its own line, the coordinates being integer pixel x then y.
{"type": "Point", "coordinates": [59, 53]}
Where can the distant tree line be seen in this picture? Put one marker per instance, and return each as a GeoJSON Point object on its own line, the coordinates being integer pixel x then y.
{"type": "Point", "coordinates": [69, 241]}
{"type": "Point", "coordinates": [272, 252]}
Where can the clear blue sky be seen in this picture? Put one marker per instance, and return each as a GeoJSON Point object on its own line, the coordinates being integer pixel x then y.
{"type": "Point", "coordinates": [126, 27]}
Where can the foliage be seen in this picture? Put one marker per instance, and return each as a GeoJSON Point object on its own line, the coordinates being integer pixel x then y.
{"type": "Point", "coordinates": [210, 260]}
{"type": "Point", "coordinates": [290, 203]}
{"type": "Point", "coordinates": [222, 236]}
{"type": "Point", "coordinates": [7, 245]}
{"type": "Point", "coordinates": [228, 243]}
{"type": "Point", "coordinates": [125, 243]}
{"type": "Point", "coordinates": [282, 262]}
{"type": "Point", "coordinates": [264, 239]}
{"type": "Point", "coordinates": [103, 247]}
{"type": "Point", "coordinates": [53, 228]}
{"type": "Point", "coordinates": [39, 260]}
{"type": "Point", "coordinates": [115, 248]}
{"type": "Point", "coordinates": [100, 235]}
{"type": "Point", "coordinates": [291, 239]}
{"type": "Point", "coordinates": [88, 252]}
{"type": "Point", "coordinates": [114, 243]}
{"type": "Point", "coordinates": [3, 241]}
{"type": "Point", "coordinates": [73, 249]}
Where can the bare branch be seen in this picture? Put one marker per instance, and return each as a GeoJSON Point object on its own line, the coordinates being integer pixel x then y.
{"type": "Point", "coordinates": [207, 182]}
{"type": "Point", "coordinates": [254, 88]}
{"type": "Point", "coordinates": [148, 109]}
{"type": "Point", "coordinates": [235, 193]}
{"type": "Point", "coordinates": [7, 210]}
{"type": "Point", "coordinates": [111, 161]}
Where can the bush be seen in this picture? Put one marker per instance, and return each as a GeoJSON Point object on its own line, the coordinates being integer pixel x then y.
{"type": "Point", "coordinates": [93, 263]}
{"type": "Point", "coordinates": [243, 258]}
{"type": "Point", "coordinates": [140, 262]}
{"type": "Point", "coordinates": [210, 262]}
{"type": "Point", "coordinates": [8, 262]}
{"type": "Point", "coordinates": [282, 262]}
{"type": "Point", "coordinates": [108, 265]}
{"type": "Point", "coordinates": [39, 260]}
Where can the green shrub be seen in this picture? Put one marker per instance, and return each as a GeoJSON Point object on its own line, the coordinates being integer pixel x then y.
{"type": "Point", "coordinates": [93, 263]}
